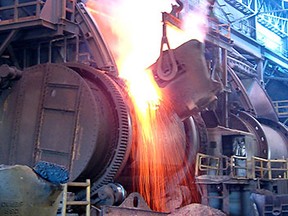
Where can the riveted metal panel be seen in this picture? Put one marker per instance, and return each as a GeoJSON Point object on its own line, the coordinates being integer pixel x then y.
{"type": "Point", "coordinates": [61, 97]}
{"type": "Point", "coordinates": [43, 121]}
{"type": "Point", "coordinates": [72, 117]}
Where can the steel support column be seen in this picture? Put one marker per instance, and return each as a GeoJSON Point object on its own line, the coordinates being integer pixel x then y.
{"type": "Point", "coordinates": [7, 41]}
{"type": "Point", "coordinates": [225, 84]}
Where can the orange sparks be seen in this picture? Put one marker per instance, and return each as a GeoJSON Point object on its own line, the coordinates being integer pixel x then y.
{"type": "Point", "coordinates": [133, 30]}
{"type": "Point", "coordinates": [158, 154]}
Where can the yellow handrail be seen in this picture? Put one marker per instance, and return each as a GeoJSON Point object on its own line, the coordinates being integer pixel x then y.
{"type": "Point", "coordinates": [270, 168]}
{"type": "Point", "coordinates": [237, 167]}
{"type": "Point", "coordinates": [259, 168]}
{"type": "Point", "coordinates": [281, 107]}
{"type": "Point", "coordinates": [86, 202]}
{"type": "Point", "coordinates": [209, 163]}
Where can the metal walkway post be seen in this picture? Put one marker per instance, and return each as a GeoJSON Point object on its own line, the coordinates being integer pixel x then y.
{"type": "Point", "coordinates": [86, 202]}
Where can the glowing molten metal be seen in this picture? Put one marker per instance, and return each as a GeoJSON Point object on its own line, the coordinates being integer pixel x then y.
{"type": "Point", "coordinates": [159, 148]}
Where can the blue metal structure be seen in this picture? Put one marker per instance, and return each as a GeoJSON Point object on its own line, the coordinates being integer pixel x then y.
{"type": "Point", "coordinates": [259, 30]}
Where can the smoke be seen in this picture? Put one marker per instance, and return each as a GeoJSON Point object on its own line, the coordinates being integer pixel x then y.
{"type": "Point", "coordinates": [133, 29]}
{"type": "Point", "coordinates": [195, 22]}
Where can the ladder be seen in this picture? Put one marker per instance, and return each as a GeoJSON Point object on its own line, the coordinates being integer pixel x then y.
{"type": "Point", "coordinates": [86, 202]}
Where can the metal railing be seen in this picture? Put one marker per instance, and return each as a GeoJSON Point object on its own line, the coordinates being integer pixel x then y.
{"type": "Point", "coordinates": [211, 164]}
{"type": "Point", "coordinates": [86, 203]}
{"type": "Point", "coordinates": [241, 167]}
{"type": "Point", "coordinates": [244, 27]}
{"type": "Point", "coordinates": [281, 108]}
{"type": "Point", "coordinates": [223, 29]}
{"type": "Point", "coordinates": [19, 10]}
{"type": "Point", "coordinates": [269, 169]}
{"type": "Point", "coordinates": [16, 10]}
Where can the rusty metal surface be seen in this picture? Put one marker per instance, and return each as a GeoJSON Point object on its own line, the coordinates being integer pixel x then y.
{"type": "Point", "coordinates": [55, 114]}
{"type": "Point", "coordinates": [238, 98]}
{"type": "Point", "coordinates": [134, 204]}
{"type": "Point", "coordinates": [246, 122]}
{"type": "Point", "coordinates": [8, 75]}
{"type": "Point", "coordinates": [135, 200]}
{"type": "Point", "coordinates": [48, 106]}
{"type": "Point", "coordinates": [118, 211]}
{"type": "Point", "coordinates": [112, 210]}
{"type": "Point", "coordinates": [192, 88]}
{"type": "Point", "coordinates": [96, 45]}
{"type": "Point", "coordinates": [262, 104]}
{"type": "Point", "coordinates": [277, 137]}
{"type": "Point", "coordinates": [271, 136]}
{"type": "Point", "coordinates": [128, 209]}
{"type": "Point", "coordinates": [277, 144]}
{"type": "Point", "coordinates": [114, 144]}
{"type": "Point", "coordinates": [51, 32]}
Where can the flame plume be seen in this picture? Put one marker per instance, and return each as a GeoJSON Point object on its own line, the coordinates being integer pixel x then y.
{"type": "Point", "coordinates": [134, 30]}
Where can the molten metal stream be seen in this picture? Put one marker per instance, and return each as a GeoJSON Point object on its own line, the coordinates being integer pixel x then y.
{"type": "Point", "coordinates": [158, 150]}
{"type": "Point", "coordinates": [159, 142]}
